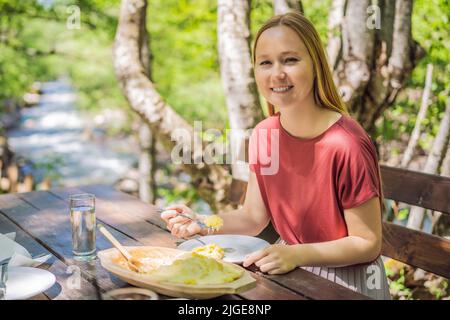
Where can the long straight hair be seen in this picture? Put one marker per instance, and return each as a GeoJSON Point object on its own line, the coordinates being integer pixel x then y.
{"type": "Point", "coordinates": [325, 92]}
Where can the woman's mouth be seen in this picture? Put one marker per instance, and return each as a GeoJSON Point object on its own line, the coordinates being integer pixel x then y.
{"type": "Point", "coordinates": [281, 89]}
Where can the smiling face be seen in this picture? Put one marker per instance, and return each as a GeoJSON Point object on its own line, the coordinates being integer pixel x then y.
{"type": "Point", "coordinates": [283, 68]}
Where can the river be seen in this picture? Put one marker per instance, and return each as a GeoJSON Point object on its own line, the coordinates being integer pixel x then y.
{"type": "Point", "coordinates": [66, 144]}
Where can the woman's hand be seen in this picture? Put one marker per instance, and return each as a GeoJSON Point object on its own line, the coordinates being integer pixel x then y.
{"type": "Point", "coordinates": [180, 226]}
{"type": "Point", "coordinates": [275, 259]}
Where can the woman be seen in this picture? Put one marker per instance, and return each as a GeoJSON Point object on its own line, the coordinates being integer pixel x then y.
{"type": "Point", "coordinates": [313, 170]}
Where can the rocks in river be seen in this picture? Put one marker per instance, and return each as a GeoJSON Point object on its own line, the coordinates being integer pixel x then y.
{"type": "Point", "coordinates": [11, 115]}
{"type": "Point", "coordinates": [128, 185]}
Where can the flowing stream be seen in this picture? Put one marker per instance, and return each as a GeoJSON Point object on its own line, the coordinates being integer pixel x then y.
{"type": "Point", "coordinates": [64, 143]}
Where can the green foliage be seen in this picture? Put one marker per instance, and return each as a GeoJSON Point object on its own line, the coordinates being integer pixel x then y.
{"type": "Point", "coordinates": [431, 29]}
{"type": "Point", "coordinates": [186, 195]}
{"type": "Point", "coordinates": [437, 288]}
{"type": "Point", "coordinates": [398, 288]}
{"type": "Point", "coordinates": [403, 214]}
{"type": "Point", "coordinates": [185, 67]}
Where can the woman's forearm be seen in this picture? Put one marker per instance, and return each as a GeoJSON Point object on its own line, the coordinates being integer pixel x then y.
{"type": "Point", "coordinates": [337, 253]}
{"type": "Point", "coordinates": [239, 222]}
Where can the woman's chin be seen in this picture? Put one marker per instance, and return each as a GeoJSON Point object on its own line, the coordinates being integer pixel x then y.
{"type": "Point", "coordinates": [283, 105]}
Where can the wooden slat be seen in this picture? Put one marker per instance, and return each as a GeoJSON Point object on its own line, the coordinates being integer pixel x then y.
{"type": "Point", "coordinates": [127, 214]}
{"type": "Point", "coordinates": [315, 287]}
{"type": "Point", "coordinates": [420, 189]}
{"type": "Point", "coordinates": [269, 290]}
{"type": "Point", "coordinates": [61, 290]}
{"type": "Point", "coordinates": [416, 248]}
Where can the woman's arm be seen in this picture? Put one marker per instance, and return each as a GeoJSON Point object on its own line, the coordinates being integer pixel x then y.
{"type": "Point", "coordinates": [363, 244]}
{"type": "Point", "coordinates": [251, 219]}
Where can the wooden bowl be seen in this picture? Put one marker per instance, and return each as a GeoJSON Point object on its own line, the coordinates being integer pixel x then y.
{"type": "Point", "coordinates": [108, 259]}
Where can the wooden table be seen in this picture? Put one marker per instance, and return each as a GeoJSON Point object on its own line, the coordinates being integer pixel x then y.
{"type": "Point", "coordinates": [41, 221]}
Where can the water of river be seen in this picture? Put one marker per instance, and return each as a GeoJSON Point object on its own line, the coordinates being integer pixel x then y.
{"type": "Point", "coordinates": [55, 135]}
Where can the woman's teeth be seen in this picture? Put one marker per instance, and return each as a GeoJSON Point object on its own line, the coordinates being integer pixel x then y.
{"type": "Point", "coordinates": [282, 89]}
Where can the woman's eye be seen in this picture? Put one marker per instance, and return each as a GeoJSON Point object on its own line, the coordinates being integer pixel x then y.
{"type": "Point", "coordinates": [264, 62]}
{"type": "Point", "coordinates": [291, 60]}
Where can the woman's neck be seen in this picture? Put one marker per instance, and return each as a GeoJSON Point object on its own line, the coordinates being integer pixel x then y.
{"type": "Point", "coordinates": [307, 120]}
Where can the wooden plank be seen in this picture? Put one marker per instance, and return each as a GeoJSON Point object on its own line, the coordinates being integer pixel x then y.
{"type": "Point", "coordinates": [62, 290]}
{"type": "Point", "coordinates": [269, 290]}
{"type": "Point", "coordinates": [315, 287]}
{"type": "Point", "coordinates": [116, 200]}
{"type": "Point", "coordinates": [122, 214]}
{"type": "Point", "coordinates": [46, 219]}
{"type": "Point", "coordinates": [420, 189]}
{"type": "Point", "coordinates": [417, 248]}
{"type": "Point", "coordinates": [128, 214]}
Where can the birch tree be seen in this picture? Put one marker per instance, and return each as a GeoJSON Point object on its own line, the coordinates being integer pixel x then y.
{"type": "Point", "coordinates": [372, 52]}
{"type": "Point", "coordinates": [147, 161]}
{"type": "Point", "coordinates": [434, 161]}
{"type": "Point", "coordinates": [211, 181]}
{"type": "Point", "coordinates": [244, 108]}
{"type": "Point", "coordinates": [284, 6]}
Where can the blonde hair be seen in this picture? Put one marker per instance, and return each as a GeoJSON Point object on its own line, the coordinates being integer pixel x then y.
{"type": "Point", "coordinates": [325, 92]}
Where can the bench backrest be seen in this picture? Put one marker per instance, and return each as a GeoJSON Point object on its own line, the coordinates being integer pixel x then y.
{"type": "Point", "coordinates": [416, 248]}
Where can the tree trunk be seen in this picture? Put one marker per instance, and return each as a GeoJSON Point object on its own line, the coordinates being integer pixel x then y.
{"type": "Point", "coordinates": [335, 21]}
{"type": "Point", "coordinates": [244, 108]}
{"type": "Point", "coordinates": [147, 185]}
{"type": "Point", "coordinates": [433, 164]}
{"type": "Point", "coordinates": [211, 181]}
{"type": "Point", "coordinates": [284, 6]}
{"type": "Point", "coordinates": [436, 215]}
{"type": "Point", "coordinates": [372, 52]}
{"type": "Point", "coordinates": [415, 135]}
{"type": "Point", "coordinates": [146, 164]}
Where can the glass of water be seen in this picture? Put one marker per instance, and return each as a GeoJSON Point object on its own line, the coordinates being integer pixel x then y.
{"type": "Point", "coordinates": [82, 219]}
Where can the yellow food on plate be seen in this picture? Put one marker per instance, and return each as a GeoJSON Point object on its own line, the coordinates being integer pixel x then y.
{"type": "Point", "coordinates": [210, 250]}
{"type": "Point", "coordinates": [196, 269]}
{"type": "Point", "coordinates": [213, 221]}
{"type": "Point", "coordinates": [189, 268]}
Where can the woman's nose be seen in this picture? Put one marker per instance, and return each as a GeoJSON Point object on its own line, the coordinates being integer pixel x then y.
{"type": "Point", "coordinates": [279, 73]}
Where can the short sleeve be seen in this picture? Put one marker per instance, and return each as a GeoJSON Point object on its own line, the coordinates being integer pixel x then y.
{"type": "Point", "coordinates": [359, 180]}
{"type": "Point", "coordinates": [253, 151]}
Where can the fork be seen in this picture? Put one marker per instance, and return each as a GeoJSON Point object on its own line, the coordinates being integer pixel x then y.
{"type": "Point", "coordinates": [3, 278]}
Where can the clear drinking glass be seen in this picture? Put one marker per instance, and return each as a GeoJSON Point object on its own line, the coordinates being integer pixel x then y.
{"type": "Point", "coordinates": [82, 219]}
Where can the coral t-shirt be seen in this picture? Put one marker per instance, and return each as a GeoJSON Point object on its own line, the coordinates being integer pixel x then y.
{"type": "Point", "coordinates": [306, 184]}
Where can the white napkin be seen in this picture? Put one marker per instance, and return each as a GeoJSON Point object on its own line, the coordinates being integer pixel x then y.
{"type": "Point", "coordinates": [20, 257]}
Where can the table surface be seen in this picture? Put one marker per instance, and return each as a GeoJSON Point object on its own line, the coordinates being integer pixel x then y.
{"type": "Point", "coordinates": [42, 225]}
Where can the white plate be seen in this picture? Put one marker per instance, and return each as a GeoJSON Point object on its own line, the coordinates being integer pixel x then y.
{"type": "Point", "coordinates": [241, 246]}
{"type": "Point", "coordinates": [25, 282]}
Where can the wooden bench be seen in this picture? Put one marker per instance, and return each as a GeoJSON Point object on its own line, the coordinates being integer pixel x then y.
{"type": "Point", "coordinates": [415, 248]}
